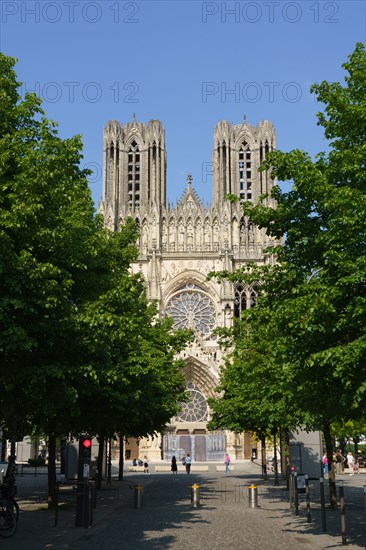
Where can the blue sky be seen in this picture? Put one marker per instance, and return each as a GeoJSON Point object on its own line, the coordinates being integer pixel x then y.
{"type": "Point", "coordinates": [188, 64]}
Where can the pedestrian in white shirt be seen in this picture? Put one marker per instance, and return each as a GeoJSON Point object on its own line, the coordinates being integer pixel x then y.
{"type": "Point", "coordinates": [351, 463]}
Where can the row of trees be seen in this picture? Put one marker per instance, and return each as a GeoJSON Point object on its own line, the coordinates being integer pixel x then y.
{"type": "Point", "coordinates": [81, 350]}
{"type": "Point", "coordinates": [299, 357]}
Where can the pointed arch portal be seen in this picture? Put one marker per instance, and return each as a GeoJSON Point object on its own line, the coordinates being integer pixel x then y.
{"type": "Point", "coordinates": [187, 433]}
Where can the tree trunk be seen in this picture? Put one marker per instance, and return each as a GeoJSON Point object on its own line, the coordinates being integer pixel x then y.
{"type": "Point", "coordinates": [109, 460]}
{"type": "Point", "coordinates": [264, 461]}
{"type": "Point", "coordinates": [121, 457]}
{"type": "Point", "coordinates": [284, 453]}
{"type": "Point", "coordinates": [51, 466]}
{"type": "Point", "coordinates": [12, 457]}
{"type": "Point", "coordinates": [275, 458]}
{"type": "Point", "coordinates": [329, 449]}
{"type": "Point", "coordinates": [100, 462]}
{"type": "Point", "coordinates": [162, 446]}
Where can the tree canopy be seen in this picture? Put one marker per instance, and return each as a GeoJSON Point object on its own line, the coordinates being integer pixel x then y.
{"type": "Point", "coordinates": [309, 324]}
{"type": "Point", "coordinates": [80, 347]}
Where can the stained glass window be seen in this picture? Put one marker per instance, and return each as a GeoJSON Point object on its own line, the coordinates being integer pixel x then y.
{"type": "Point", "coordinates": [192, 308]}
{"type": "Point", "coordinates": [195, 410]}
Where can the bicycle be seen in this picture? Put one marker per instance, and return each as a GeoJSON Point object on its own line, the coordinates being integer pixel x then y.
{"type": "Point", "coordinates": [8, 490]}
{"type": "Point", "coordinates": [13, 503]}
{"type": "Point", "coordinates": [8, 521]}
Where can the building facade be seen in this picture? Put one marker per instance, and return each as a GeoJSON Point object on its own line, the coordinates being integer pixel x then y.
{"type": "Point", "coordinates": [180, 245]}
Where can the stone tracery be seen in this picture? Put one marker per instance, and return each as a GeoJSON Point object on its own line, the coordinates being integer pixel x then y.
{"type": "Point", "coordinates": [192, 309]}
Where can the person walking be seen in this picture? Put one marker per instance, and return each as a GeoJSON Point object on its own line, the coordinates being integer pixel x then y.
{"type": "Point", "coordinates": [188, 463]}
{"type": "Point", "coordinates": [325, 464]}
{"type": "Point", "coordinates": [339, 459]}
{"type": "Point", "coordinates": [146, 465]}
{"type": "Point", "coordinates": [174, 467]}
{"type": "Point", "coordinates": [227, 463]}
{"type": "Point", "coordinates": [351, 463]}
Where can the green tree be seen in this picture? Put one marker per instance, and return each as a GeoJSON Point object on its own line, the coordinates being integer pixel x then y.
{"type": "Point", "coordinates": [137, 382]}
{"type": "Point", "coordinates": [80, 347]}
{"type": "Point", "coordinates": [50, 264]}
{"type": "Point", "coordinates": [252, 383]}
{"type": "Point", "coordinates": [256, 392]}
{"type": "Point", "coordinates": [47, 225]}
{"type": "Point", "coordinates": [348, 432]}
{"type": "Point", "coordinates": [315, 297]}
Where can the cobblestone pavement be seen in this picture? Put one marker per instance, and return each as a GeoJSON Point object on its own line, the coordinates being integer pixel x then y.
{"type": "Point", "coordinates": [167, 519]}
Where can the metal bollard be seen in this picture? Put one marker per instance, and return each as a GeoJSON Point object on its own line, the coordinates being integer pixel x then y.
{"type": "Point", "coordinates": [296, 495]}
{"type": "Point", "coordinates": [195, 495]}
{"type": "Point", "coordinates": [307, 496]}
{"type": "Point", "coordinates": [322, 504]}
{"type": "Point", "coordinates": [343, 513]}
{"type": "Point", "coordinates": [291, 491]}
{"type": "Point", "coordinates": [139, 495]}
{"type": "Point", "coordinates": [253, 496]}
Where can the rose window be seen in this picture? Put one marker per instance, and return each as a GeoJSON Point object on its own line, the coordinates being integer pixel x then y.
{"type": "Point", "coordinates": [195, 409]}
{"type": "Point", "coordinates": [192, 308]}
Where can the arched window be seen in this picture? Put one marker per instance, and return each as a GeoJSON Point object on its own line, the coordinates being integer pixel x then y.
{"type": "Point", "coordinates": [195, 408]}
{"type": "Point", "coordinates": [224, 162]}
{"type": "Point", "coordinates": [245, 172]}
{"type": "Point", "coordinates": [133, 175]}
{"type": "Point", "coordinates": [266, 151]}
{"type": "Point", "coordinates": [244, 299]}
{"type": "Point", "coordinates": [253, 297]}
{"type": "Point", "coordinates": [240, 300]}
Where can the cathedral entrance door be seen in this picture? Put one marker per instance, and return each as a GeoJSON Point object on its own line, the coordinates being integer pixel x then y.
{"type": "Point", "coordinates": [185, 444]}
{"type": "Point", "coordinates": [200, 448]}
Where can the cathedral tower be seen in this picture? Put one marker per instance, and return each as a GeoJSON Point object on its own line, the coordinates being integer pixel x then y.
{"type": "Point", "coordinates": [180, 245]}
{"type": "Point", "coordinates": [238, 152]}
{"type": "Point", "coordinates": [134, 176]}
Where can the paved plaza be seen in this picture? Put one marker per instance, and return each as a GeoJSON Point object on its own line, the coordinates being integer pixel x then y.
{"type": "Point", "coordinates": [167, 519]}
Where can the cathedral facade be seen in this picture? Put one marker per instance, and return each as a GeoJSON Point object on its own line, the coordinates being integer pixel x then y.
{"type": "Point", "coordinates": [179, 246]}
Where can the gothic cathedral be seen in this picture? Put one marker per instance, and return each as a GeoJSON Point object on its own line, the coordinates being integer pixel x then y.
{"type": "Point", "coordinates": [180, 245]}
